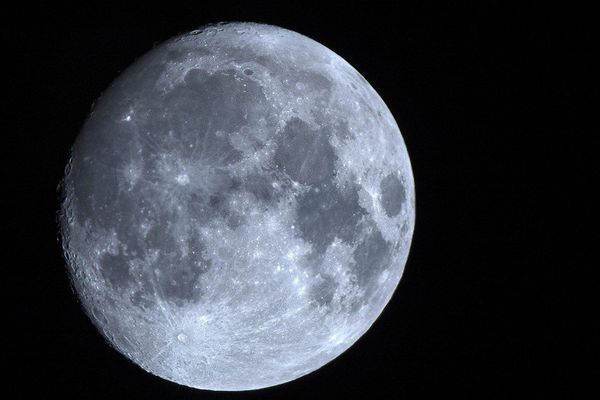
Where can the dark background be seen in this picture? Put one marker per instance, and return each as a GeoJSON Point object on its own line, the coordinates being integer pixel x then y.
{"type": "Point", "coordinates": [481, 95]}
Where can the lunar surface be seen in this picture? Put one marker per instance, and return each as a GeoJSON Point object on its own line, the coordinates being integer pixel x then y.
{"type": "Point", "coordinates": [238, 208]}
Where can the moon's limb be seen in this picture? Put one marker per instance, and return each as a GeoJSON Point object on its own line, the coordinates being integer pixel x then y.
{"type": "Point", "coordinates": [238, 208]}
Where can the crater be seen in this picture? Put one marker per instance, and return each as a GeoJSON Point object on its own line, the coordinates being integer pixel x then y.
{"type": "Point", "coordinates": [182, 337]}
{"type": "Point", "coordinates": [182, 179]}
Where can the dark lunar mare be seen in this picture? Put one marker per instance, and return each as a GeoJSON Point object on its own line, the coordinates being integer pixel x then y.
{"type": "Point", "coordinates": [393, 195]}
{"type": "Point", "coordinates": [182, 124]}
{"type": "Point", "coordinates": [326, 212]}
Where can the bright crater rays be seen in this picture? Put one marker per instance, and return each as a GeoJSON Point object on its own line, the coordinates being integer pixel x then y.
{"type": "Point", "coordinates": [238, 208]}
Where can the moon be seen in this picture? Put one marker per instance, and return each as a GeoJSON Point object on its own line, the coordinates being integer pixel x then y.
{"type": "Point", "coordinates": [237, 209]}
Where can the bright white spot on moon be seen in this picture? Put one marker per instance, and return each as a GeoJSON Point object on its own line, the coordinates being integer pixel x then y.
{"type": "Point", "coordinates": [252, 219]}
{"type": "Point", "coordinates": [182, 337]}
{"type": "Point", "coordinates": [183, 179]}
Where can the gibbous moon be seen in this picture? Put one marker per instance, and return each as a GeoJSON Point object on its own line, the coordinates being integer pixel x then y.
{"type": "Point", "coordinates": [238, 208]}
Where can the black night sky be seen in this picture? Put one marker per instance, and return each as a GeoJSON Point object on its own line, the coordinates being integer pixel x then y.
{"type": "Point", "coordinates": [478, 93]}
